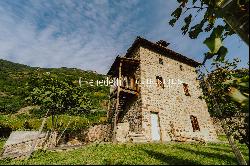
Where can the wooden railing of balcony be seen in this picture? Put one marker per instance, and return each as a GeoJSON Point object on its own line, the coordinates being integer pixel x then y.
{"type": "Point", "coordinates": [126, 83]}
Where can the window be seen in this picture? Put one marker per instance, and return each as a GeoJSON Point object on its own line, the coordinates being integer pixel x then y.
{"type": "Point", "coordinates": [159, 81]}
{"type": "Point", "coordinates": [181, 67]}
{"type": "Point", "coordinates": [194, 123]}
{"type": "Point", "coordinates": [186, 91]}
{"type": "Point", "coordinates": [161, 61]}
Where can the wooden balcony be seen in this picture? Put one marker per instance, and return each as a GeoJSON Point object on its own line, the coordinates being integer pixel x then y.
{"type": "Point", "coordinates": [127, 85]}
{"type": "Point", "coordinates": [124, 66]}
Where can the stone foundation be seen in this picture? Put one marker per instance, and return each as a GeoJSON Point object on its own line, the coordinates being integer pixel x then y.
{"type": "Point", "coordinates": [122, 132]}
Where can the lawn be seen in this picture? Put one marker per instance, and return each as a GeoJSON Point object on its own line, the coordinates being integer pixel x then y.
{"type": "Point", "coordinates": [170, 153]}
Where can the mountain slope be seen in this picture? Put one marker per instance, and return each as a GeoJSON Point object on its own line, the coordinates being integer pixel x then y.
{"type": "Point", "coordinates": [13, 77]}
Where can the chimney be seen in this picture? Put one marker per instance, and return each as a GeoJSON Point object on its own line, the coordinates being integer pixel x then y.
{"type": "Point", "coordinates": [162, 43]}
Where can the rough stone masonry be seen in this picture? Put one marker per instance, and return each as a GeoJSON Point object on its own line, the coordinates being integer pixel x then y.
{"type": "Point", "coordinates": [170, 109]}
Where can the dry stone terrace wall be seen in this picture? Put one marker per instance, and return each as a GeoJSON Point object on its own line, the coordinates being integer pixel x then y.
{"type": "Point", "coordinates": [20, 142]}
{"type": "Point", "coordinates": [171, 103]}
{"type": "Point", "coordinates": [98, 133]}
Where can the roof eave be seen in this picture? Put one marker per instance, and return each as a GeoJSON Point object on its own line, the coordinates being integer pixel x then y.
{"type": "Point", "coordinates": [167, 52]}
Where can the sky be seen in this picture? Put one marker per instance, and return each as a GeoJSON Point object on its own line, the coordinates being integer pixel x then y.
{"type": "Point", "coordinates": [89, 34]}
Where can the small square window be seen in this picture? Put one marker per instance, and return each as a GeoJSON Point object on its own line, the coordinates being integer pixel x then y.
{"type": "Point", "coordinates": [181, 67]}
{"type": "Point", "coordinates": [159, 81]}
{"type": "Point", "coordinates": [185, 88]}
{"type": "Point", "coordinates": [161, 61]}
{"type": "Point", "coordinates": [194, 123]}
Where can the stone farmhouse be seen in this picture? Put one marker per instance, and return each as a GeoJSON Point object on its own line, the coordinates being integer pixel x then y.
{"type": "Point", "coordinates": [156, 96]}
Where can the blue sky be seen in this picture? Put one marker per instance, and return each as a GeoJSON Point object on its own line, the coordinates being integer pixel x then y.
{"type": "Point", "coordinates": [89, 34]}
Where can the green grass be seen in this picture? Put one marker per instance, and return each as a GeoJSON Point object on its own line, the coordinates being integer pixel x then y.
{"type": "Point", "coordinates": [222, 138]}
{"type": "Point", "coordinates": [29, 122]}
{"type": "Point", "coordinates": [2, 141]}
{"type": "Point", "coordinates": [171, 153]}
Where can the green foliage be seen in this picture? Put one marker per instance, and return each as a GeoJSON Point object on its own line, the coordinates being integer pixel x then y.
{"type": "Point", "coordinates": [214, 43]}
{"type": "Point", "coordinates": [187, 21]}
{"type": "Point", "coordinates": [32, 122]}
{"type": "Point", "coordinates": [7, 121]}
{"type": "Point", "coordinates": [210, 11]}
{"type": "Point", "coordinates": [176, 14]}
{"type": "Point", "coordinates": [238, 89]}
{"type": "Point", "coordinates": [137, 154]}
{"type": "Point", "coordinates": [13, 79]}
{"type": "Point", "coordinates": [214, 89]}
{"type": "Point", "coordinates": [54, 88]}
{"type": "Point", "coordinates": [58, 96]}
{"type": "Point", "coordinates": [10, 104]}
{"type": "Point", "coordinates": [222, 138]}
{"type": "Point", "coordinates": [219, 100]}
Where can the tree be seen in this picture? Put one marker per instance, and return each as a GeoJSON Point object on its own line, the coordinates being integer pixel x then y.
{"type": "Point", "coordinates": [220, 105]}
{"type": "Point", "coordinates": [57, 96]}
{"type": "Point", "coordinates": [235, 16]}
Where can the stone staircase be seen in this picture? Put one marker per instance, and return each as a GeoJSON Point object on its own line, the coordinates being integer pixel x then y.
{"type": "Point", "coordinates": [136, 137]}
{"type": "Point", "coordinates": [122, 102]}
{"type": "Point", "coordinates": [121, 105]}
{"type": "Point", "coordinates": [122, 129]}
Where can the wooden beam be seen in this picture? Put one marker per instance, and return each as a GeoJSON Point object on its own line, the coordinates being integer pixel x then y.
{"type": "Point", "coordinates": [109, 107]}
{"type": "Point", "coordinates": [117, 102]}
{"type": "Point", "coordinates": [125, 61]}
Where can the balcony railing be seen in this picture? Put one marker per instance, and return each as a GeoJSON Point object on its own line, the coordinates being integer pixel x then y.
{"type": "Point", "coordinates": [125, 83]}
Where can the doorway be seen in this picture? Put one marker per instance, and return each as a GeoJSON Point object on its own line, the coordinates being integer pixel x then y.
{"type": "Point", "coordinates": [155, 127]}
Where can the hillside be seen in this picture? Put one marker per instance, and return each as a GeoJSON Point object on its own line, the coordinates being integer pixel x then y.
{"type": "Point", "coordinates": [16, 113]}
{"type": "Point", "coordinates": [13, 77]}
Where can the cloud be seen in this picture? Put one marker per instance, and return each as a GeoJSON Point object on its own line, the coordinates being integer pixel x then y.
{"type": "Point", "coordinates": [65, 33]}
{"type": "Point", "coordinates": [86, 34]}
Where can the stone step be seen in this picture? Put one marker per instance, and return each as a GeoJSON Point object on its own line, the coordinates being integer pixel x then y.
{"type": "Point", "coordinates": [137, 137]}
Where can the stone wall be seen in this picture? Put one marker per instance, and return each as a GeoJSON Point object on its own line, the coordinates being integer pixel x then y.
{"type": "Point", "coordinates": [134, 107]}
{"type": "Point", "coordinates": [20, 142]}
{"type": "Point", "coordinates": [170, 102]}
{"type": "Point", "coordinates": [122, 132]}
{"type": "Point", "coordinates": [132, 114]}
{"type": "Point", "coordinates": [98, 133]}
